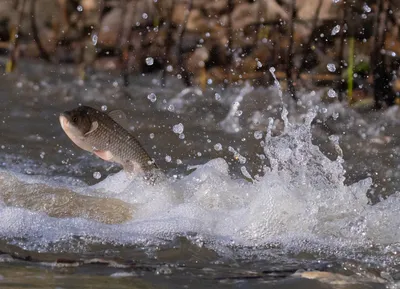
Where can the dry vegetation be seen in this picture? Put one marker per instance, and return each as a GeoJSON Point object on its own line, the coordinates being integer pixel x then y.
{"type": "Point", "coordinates": [352, 45]}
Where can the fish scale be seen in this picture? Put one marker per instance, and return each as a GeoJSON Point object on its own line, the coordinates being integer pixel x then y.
{"type": "Point", "coordinates": [111, 136]}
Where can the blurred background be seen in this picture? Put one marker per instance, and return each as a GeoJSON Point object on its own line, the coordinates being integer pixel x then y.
{"type": "Point", "coordinates": [352, 45]}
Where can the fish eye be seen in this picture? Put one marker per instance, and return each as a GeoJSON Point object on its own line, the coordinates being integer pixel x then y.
{"type": "Point", "coordinates": [75, 119]}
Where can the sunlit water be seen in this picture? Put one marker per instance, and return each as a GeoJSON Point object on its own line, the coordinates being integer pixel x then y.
{"type": "Point", "coordinates": [256, 190]}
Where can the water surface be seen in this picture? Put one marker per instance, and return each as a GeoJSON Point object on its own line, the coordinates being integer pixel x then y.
{"type": "Point", "coordinates": [252, 196]}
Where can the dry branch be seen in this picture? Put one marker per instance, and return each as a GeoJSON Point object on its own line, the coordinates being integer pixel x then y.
{"type": "Point", "coordinates": [181, 33]}
{"type": "Point", "coordinates": [307, 46]}
{"type": "Point", "coordinates": [340, 58]}
{"type": "Point", "coordinates": [289, 63]}
{"type": "Point", "coordinates": [14, 39]}
{"type": "Point", "coordinates": [168, 44]}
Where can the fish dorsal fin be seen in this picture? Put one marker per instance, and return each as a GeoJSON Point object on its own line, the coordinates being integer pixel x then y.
{"type": "Point", "coordinates": [94, 126]}
{"type": "Point", "coordinates": [119, 117]}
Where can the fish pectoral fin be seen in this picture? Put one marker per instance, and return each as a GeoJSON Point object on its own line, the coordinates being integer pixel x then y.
{"type": "Point", "coordinates": [94, 126]}
{"type": "Point", "coordinates": [105, 155]}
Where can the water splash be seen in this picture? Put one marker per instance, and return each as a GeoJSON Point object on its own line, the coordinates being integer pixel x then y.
{"type": "Point", "coordinates": [300, 201]}
{"type": "Point", "coordinates": [231, 122]}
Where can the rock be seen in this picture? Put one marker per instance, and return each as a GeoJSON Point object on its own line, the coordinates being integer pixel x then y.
{"type": "Point", "coordinates": [271, 10]}
{"type": "Point", "coordinates": [336, 279]}
{"type": "Point", "coordinates": [215, 7]}
{"type": "Point", "coordinates": [178, 14]}
{"type": "Point", "coordinates": [107, 63]}
{"type": "Point", "coordinates": [244, 15]}
{"type": "Point", "coordinates": [306, 9]}
{"type": "Point", "coordinates": [110, 27]}
{"type": "Point", "coordinates": [197, 60]}
{"type": "Point", "coordinates": [197, 22]}
{"type": "Point", "coordinates": [217, 74]}
{"type": "Point", "coordinates": [89, 5]}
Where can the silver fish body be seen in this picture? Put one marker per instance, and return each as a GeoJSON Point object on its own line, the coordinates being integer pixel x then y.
{"type": "Point", "coordinates": [100, 133]}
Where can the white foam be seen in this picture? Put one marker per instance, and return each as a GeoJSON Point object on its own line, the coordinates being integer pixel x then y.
{"type": "Point", "coordinates": [302, 196]}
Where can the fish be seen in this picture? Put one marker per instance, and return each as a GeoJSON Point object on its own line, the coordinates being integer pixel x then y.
{"type": "Point", "coordinates": [104, 135]}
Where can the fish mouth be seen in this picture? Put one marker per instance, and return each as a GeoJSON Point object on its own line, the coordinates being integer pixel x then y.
{"type": "Point", "coordinates": [64, 120]}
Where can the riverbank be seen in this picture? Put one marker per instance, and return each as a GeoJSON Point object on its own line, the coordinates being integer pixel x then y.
{"type": "Point", "coordinates": [350, 48]}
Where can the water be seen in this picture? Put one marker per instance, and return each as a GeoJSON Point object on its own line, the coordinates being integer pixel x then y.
{"type": "Point", "coordinates": [251, 198]}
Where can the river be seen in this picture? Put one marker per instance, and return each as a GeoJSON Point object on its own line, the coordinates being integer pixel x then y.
{"type": "Point", "coordinates": [259, 190]}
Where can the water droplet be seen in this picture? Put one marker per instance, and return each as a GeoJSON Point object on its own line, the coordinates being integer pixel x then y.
{"type": "Point", "coordinates": [259, 64]}
{"type": "Point", "coordinates": [3, 147]}
{"type": "Point", "coordinates": [331, 67]}
{"type": "Point", "coordinates": [335, 115]}
{"type": "Point", "coordinates": [217, 96]}
{"type": "Point", "coordinates": [218, 147]}
{"type": "Point", "coordinates": [258, 134]}
{"type": "Point", "coordinates": [367, 8]}
{"type": "Point", "coordinates": [115, 84]}
{"type": "Point", "coordinates": [79, 8]}
{"type": "Point", "coordinates": [209, 81]}
{"type": "Point", "coordinates": [168, 158]}
{"type": "Point", "coordinates": [182, 136]}
{"type": "Point", "coordinates": [104, 107]}
{"type": "Point", "coordinates": [245, 172]}
{"type": "Point", "coordinates": [94, 39]}
{"type": "Point", "coordinates": [332, 93]}
{"type": "Point", "coordinates": [335, 1]}
{"type": "Point", "coordinates": [335, 30]}
{"type": "Point", "coordinates": [178, 162]}
{"type": "Point", "coordinates": [171, 107]}
{"type": "Point", "coordinates": [149, 61]}
{"type": "Point", "coordinates": [151, 135]}
{"type": "Point", "coordinates": [152, 97]}
{"type": "Point", "coordinates": [178, 128]}
{"type": "Point", "coordinates": [238, 112]}
{"type": "Point", "coordinates": [145, 16]}
{"type": "Point", "coordinates": [42, 154]}
{"type": "Point", "coordinates": [96, 175]}
{"type": "Point", "coordinates": [199, 154]}
{"type": "Point", "coordinates": [170, 68]}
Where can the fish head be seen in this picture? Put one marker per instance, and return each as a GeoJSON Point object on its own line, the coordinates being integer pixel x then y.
{"type": "Point", "coordinates": [76, 124]}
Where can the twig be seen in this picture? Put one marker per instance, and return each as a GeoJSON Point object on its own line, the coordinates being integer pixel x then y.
{"type": "Point", "coordinates": [289, 63]}
{"type": "Point", "coordinates": [43, 53]}
{"type": "Point", "coordinates": [350, 70]}
{"type": "Point", "coordinates": [126, 32]}
{"type": "Point", "coordinates": [340, 58]}
{"type": "Point", "coordinates": [229, 55]}
{"type": "Point", "coordinates": [181, 33]}
{"type": "Point", "coordinates": [383, 93]}
{"type": "Point", "coordinates": [307, 47]}
{"type": "Point", "coordinates": [260, 20]}
{"type": "Point", "coordinates": [89, 51]}
{"type": "Point", "coordinates": [14, 40]}
{"type": "Point", "coordinates": [168, 43]}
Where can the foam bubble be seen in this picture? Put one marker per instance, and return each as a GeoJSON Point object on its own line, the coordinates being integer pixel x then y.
{"type": "Point", "coordinates": [301, 199]}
